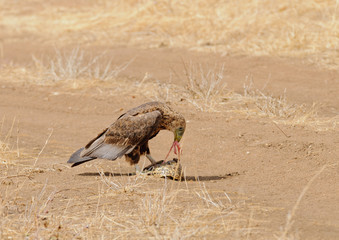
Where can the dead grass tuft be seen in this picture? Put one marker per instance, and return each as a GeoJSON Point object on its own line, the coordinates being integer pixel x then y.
{"type": "Point", "coordinates": [203, 88]}
{"type": "Point", "coordinates": [75, 67]}
{"type": "Point", "coordinates": [278, 108]}
{"type": "Point", "coordinates": [154, 208]}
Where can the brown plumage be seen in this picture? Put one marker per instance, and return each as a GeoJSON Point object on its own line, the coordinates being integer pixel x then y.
{"type": "Point", "coordinates": [130, 133]}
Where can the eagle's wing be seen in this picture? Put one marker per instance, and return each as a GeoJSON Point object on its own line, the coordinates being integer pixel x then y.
{"type": "Point", "coordinates": [123, 136]}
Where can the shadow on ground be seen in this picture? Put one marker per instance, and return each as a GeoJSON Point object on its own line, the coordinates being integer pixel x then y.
{"type": "Point", "coordinates": [188, 178]}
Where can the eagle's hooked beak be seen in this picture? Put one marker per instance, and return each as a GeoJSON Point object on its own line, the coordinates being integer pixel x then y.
{"type": "Point", "coordinates": [176, 146]}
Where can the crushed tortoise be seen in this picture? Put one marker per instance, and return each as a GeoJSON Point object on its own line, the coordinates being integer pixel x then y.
{"type": "Point", "coordinates": [170, 169]}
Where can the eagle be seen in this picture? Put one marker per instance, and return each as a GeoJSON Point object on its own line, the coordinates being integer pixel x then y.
{"type": "Point", "coordinates": [130, 133]}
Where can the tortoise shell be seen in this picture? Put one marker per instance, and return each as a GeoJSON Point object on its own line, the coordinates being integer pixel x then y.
{"type": "Point", "coordinates": [171, 169]}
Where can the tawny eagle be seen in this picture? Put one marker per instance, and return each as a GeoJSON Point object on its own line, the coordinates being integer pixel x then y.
{"type": "Point", "coordinates": [130, 133]}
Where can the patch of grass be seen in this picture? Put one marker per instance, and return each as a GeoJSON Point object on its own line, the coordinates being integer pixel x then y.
{"type": "Point", "coordinates": [277, 107]}
{"type": "Point", "coordinates": [254, 102]}
{"type": "Point", "coordinates": [307, 29]}
{"type": "Point", "coordinates": [75, 67]}
{"type": "Point", "coordinates": [203, 88]}
{"type": "Point", "coordinates": [159, 210]}
{"type": "Point", "coordinates": [161, 214]}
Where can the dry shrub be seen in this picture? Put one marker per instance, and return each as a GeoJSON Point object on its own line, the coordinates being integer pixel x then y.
{"type": "Point", "coordinates": [298, 29]}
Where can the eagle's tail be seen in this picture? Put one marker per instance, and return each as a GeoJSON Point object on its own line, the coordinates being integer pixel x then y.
{"type": "Point", "coordinates": [76, 159]}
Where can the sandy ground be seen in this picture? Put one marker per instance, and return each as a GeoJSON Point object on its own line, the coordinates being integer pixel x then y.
{"type": "Point", "coordinates": [261, 165]}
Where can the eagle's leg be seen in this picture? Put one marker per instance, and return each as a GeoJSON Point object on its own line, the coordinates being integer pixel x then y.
{"type": "Point", "coordinates": [144, 149]}
{"type": "Point", "coordinates": [151, 159]}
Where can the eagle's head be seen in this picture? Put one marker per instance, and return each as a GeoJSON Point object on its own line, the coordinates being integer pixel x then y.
{"type": "Point", "coordinates": [178, 126]}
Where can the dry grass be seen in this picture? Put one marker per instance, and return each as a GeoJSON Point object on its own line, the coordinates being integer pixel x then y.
{"type": "Point", "coordinates": [277, 108]}
{"type": "Point", "coordinates": [205, 89]}
{"type": "Point", "coordinates": [27, 220]}
{"type": "Point", "coordinates": [162, 211]}
{"type": "Point", "coordinates": [286, 231]}
{"type": "Point", "coordinates": [130, 207]}
{"type": "Point", "coordinates": [72, 69]}
{"type": "Point", "coordinates": [293, 29]}
{"type": "Point", "coordinates": [8, 151]}
{"type": "Point", "coordinates": [75, 67]}
{"type": "Point", "coordinates": [256, 103]}
{"type": "Point", "coordinates": [13, 162]}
